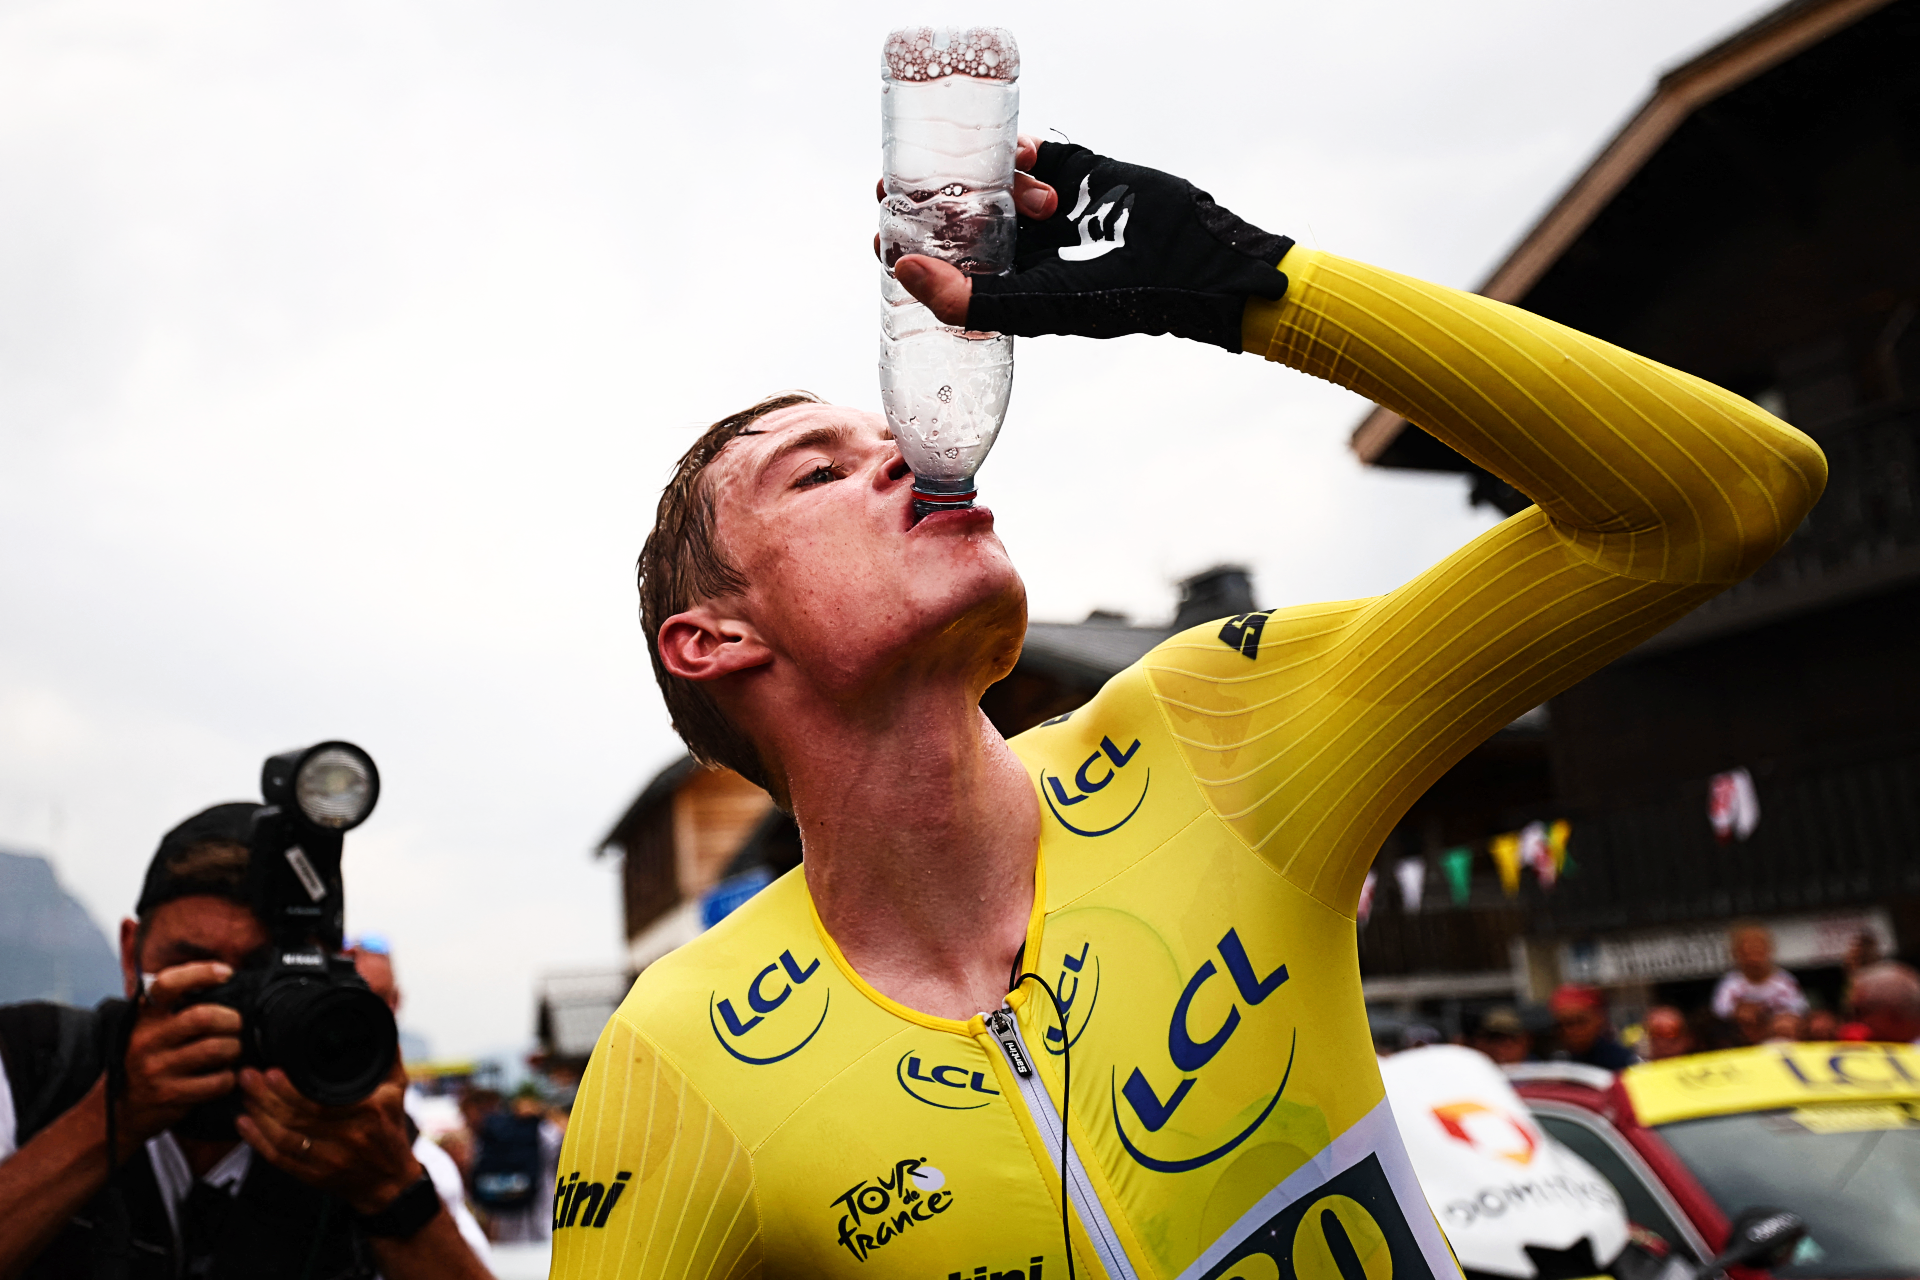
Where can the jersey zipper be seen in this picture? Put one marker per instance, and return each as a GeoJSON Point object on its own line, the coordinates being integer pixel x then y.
{"type": "Point", "coordinates": [1005, 1029]}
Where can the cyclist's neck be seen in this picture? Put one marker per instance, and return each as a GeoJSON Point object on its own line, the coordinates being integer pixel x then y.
{"type": "Point", "coordinates": [921, 835]}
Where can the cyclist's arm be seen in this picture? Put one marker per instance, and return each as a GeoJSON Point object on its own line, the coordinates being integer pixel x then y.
{"type": "Point", "coordinates": [1655, 489]}
{"type": "Point", "coordinates": [675, 1188]}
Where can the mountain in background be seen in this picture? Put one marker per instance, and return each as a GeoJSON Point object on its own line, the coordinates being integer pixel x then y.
{"type": "Point", "coordinates": [50, 948]}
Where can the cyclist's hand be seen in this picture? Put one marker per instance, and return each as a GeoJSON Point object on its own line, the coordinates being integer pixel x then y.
{"type": "Point", "coordinates": [1134, 251]}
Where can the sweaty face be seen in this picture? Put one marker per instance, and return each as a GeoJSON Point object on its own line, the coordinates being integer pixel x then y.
{"type": "Point", "coordinates": [815, 509]}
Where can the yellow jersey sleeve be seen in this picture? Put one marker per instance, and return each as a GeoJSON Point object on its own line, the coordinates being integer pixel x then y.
{"type": "Point", "coordinates": [652, 1182]}
{"type": "Point", "coordinates": [1312, 730]}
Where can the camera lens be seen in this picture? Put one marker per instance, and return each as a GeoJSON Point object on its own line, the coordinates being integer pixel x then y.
{"type": "Point", "coordinates": [336, 1043]}
{"type": "Point", "coordinates": [335, 787]}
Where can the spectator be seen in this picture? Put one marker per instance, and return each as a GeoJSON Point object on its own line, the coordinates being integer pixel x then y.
{"type": "Point", "coordinates": [1823, 1024]}
{"type": "Point", "coordinates": [1585, 1033]}
{"type": "Point", "coordinates": [517, 1154]}
{"type": "Point", "coordinates": [1754, 976]}
{"type": "Point", "coordinates": [1784, 1028]}
{"type": "Point", "coordinates": [373, 961]}
{"type": "Point", "coordinates": [1886, 998]}
{"type": "Point", "coordinates": [1863, 951]}
{"type": "Point", "coordinates": [1750, 1018]}
{"type": "Point", "coordinates": [1668, 1035]}
{"type": "Point", "coordinates": [1503, 1037]}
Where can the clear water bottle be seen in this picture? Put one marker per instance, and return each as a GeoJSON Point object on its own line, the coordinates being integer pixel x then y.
{"type": "Point", "coordinates": [949, 111]}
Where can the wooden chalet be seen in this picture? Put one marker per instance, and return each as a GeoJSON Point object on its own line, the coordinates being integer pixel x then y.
{"type": "Point", "coordinates": [1756, 222]}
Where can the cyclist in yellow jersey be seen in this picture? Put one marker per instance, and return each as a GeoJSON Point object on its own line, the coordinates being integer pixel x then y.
{"type": "Point", "coordinates": [863, 1071]}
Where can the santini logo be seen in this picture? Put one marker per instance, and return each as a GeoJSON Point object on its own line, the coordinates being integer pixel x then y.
{"type": "Point", "coordinates": [1093, 776]}
{"type": "Point", "coordinates": [1242, 632]}
{"type": "Point", "coordinates": [988, 1273]}
{"type": "Point", "coordinates": [783, 1036]}
{"type": "Point", "coordinates": [586, 1204]}
{"type": "Point", "coordinates": [877, 1211]}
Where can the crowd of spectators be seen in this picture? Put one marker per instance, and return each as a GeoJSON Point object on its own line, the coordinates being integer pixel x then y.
{"type": "Point", "coordinates": [1754, 1002]}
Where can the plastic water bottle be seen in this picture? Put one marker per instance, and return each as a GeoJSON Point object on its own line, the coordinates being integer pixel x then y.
{"type": "Point", "coordinates": [949, 112]}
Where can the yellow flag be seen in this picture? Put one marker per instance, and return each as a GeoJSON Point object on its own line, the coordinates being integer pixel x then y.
{"type": "Point", "coordinates": [1506, 858]}
{"type": "Point", "coordinates": [1557, 835]}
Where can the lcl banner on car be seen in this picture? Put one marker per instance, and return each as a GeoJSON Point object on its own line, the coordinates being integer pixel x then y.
{"type": "Point", "coordinates": [1496, 1181]}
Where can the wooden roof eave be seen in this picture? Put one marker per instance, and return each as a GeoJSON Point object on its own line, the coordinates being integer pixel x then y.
{"type": "Point", "coordinates": [1749, 52]}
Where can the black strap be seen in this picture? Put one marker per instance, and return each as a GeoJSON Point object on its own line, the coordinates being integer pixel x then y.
{"type": "Point", "coordinates": [1066, 1095]}
{"type": "Point", "coordinates": [410, 1211]}
{"type": "Point", "coordinates": [53, 1054]}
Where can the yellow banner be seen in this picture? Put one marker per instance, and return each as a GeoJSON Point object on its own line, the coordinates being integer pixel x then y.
{"type": "Point", "coordinates": [1771, 1077]}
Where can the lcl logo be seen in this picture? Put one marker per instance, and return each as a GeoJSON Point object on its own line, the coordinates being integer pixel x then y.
{"type": "Point", "coordinates": [1190, 1053]}
{"type": "Point", "coordinates": [1094, 775]}
{"type": "Point", "coordinates": [942, 1085]}
{"type": "Point", "coordinates": [763, 1001]}
{"type": "Point", "coordinates": [1073, 973]}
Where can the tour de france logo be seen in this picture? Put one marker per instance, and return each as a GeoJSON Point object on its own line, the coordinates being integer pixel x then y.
{"type": "Point", "coordinates": [876, 1211]}
{"type": "Point", "coordinates": [781, 1013]}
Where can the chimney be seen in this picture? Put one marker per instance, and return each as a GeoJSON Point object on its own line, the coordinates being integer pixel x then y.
{"type": "Point", "coordinates": [1220, 592]}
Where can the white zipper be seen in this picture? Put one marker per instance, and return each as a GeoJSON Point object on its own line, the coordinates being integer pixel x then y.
{"type": "Point", "coordinates": [1005, 1029]}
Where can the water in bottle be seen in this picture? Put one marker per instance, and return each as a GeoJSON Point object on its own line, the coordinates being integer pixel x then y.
{"type": "Point", "coordinates": [949, 120]}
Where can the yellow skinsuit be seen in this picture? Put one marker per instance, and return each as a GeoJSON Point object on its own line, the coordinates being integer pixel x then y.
{"type": "Point", "coordinates": [1206, 823]}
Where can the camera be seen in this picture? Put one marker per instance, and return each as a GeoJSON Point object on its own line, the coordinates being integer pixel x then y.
{"type": "Point", "coordinates": [304, 1008]}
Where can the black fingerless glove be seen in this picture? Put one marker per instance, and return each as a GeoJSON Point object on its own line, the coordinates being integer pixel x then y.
{"type": "Point", "coordinates": [1130, 250]}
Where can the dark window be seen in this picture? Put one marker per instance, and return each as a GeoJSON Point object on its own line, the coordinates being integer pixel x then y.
{"type": "Point", "coordinates": [1643, 1206]}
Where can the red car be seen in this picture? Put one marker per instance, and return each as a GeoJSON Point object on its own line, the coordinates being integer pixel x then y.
{"type": "Point", "coordinates": [1830, 1132]}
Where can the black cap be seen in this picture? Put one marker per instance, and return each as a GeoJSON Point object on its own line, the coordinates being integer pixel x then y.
{"type": "Point", "coordinates": [230, 823]}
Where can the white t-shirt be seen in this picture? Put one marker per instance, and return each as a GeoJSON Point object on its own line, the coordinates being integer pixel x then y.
{"type": "Point", "coordinates": [1779, 991]}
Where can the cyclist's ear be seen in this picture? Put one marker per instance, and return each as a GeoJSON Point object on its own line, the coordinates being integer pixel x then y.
{"type": "Point", "coordinates": [703, 643]}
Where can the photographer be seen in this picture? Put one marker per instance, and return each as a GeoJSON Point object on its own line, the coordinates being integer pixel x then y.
{"type": "Point", "coordinates": [153, 1182]}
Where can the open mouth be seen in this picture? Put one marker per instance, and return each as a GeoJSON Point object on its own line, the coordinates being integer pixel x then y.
{"type": "Point", "coordinates": [926, 504]}
{"type": "Point", "coordinates": [947, 516]}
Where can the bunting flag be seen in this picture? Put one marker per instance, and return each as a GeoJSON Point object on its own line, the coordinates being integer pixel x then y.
{"type": "Point", "coordinates": [1732, 805]}
{"type": "Point", "coordinates": [1412, 875]}
{"type": "Point", "coordinates": [1535, 853]}
{"type": "Point", "coordinates": [1366, 897]}
{"type": "Point", "coordinates": [1559, 832]}
{"type": "Point", "coordinates": [1458, 863]}
{"type": "Point", "coordinates": [1505, 850]}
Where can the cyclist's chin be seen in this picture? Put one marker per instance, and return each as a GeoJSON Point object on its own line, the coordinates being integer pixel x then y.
{"type": "Point", "coordinates": [967, 622]}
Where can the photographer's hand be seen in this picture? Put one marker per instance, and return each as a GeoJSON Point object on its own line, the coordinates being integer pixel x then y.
{"type": "Point", "coordinates": [1137, 251]}
{"type": "Point", "coordinates": [176, 1059]}
{"type": "Point", "coordinates": [360, 1153]}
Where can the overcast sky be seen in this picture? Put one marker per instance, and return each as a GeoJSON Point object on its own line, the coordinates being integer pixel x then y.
{"type": "Point", "coordinates": [344, 348]}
